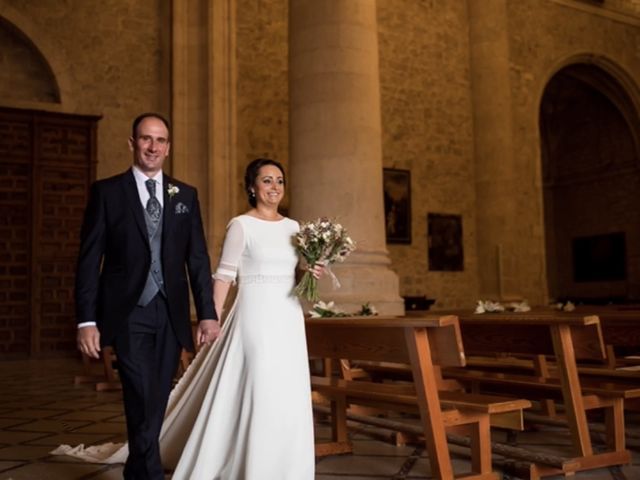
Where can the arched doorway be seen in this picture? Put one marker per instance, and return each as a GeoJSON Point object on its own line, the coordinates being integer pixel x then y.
{"type": "Point", "coordinates": [591, 173]}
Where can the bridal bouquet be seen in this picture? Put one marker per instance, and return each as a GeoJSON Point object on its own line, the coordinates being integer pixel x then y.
{"type": "Point", "coordinates": [321, 241]}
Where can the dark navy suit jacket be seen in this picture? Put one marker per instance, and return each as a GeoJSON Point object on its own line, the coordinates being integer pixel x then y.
{"type": "Point", "coordinates": [115, 257]}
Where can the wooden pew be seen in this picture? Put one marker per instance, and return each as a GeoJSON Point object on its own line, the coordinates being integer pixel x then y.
{"type": "Point", "coordinates": [564, 338]}
{"type": "Point", "coordinates": [620, 331]}
{"type": "Point", "coordinates": [422, 343]}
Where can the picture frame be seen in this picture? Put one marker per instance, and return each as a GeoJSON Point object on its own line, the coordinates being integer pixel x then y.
{"type": "Point", "coordinates": [445, 243]}
{"type": "Point", "coordinates": [397, 205]}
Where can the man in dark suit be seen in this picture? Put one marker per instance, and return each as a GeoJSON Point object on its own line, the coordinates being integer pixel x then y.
{"type": "Point", "coordinates": [142, 237]}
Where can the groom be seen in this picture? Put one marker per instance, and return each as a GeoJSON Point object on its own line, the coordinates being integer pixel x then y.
{"type": "Point", "coordinates": [141, 238]}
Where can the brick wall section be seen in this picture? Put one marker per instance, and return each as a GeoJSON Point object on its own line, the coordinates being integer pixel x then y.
{"type": "Point", "coordinates": [14, 237]}
{"type": "Point", "coordinates": [62, 185]}
{"type": "Point", "coordinates": [43, 192]}
{"type": "Point", "coordinates": [427, 129]}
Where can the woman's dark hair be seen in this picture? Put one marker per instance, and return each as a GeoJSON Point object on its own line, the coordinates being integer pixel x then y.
{"type": "Point", "coordinates": [251, 174]}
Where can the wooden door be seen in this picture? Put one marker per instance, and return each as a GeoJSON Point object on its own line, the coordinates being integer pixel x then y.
{"type": "Point", "coordinates": [47, 162]}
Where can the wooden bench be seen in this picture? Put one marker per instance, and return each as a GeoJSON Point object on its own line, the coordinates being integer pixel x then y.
{"type": "Point", "coordinates": [422, 343]}
{"type": "Point", "coordinates": [564, 338]}
{"type": "Point", "coordinates": [109, 380]}
{"type": "Point", "coordinates": [620, 332]}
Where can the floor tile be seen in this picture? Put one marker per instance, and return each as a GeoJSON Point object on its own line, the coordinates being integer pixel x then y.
{"type": "Point", "coordinates": [51, 426]}
{"type": "Point", "coordinates": [51, 471]}
{"type": "Point", "coordinates": [41, 408]}
{"type": "Point", "coordinates": [12, 437]}
{"type": "Point", "coordinates": [23, 452]}
{"type": "Point", "coordinates": [360, 465]}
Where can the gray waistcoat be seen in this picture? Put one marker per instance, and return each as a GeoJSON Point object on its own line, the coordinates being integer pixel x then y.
{"type": "Point", "coordinates": [155, 280]}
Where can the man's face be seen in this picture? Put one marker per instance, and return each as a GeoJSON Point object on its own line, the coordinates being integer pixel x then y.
{"type": "Point", "coordinates": [150, 146]}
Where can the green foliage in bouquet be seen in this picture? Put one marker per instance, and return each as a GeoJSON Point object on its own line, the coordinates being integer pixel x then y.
{"type": "Point", "coordinates": [320, 242]}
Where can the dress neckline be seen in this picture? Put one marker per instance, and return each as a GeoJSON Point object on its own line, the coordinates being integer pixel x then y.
{"type": "Point", "coordinates": [263, 220]}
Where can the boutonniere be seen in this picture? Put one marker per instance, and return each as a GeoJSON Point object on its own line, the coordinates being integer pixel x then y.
{"type": "Point", "coordinates": [172, 190]}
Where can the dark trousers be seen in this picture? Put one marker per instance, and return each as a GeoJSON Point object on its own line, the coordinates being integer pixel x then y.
{"type": "Point", "coordinates": [148, 353]}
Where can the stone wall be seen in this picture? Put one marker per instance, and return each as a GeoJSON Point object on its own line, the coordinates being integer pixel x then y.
{"type": "Point", "coordinates": [262, 90]}
{"type": "Point", "coordinates": [112, 57]}
{"type": "Point", "coordinates": [546, 36]}
{"type": "Point", "coordinates": [24, 74]}
{"type": "Point", "coordinates": [79, 57]}
{"type": "Point", "coordinates": [427, 129]}
{"type": "Point", "coordinates": [114, 61]}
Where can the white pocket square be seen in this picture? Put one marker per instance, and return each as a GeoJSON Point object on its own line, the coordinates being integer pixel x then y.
{"type": "Point", "coordinates": [181, 208]}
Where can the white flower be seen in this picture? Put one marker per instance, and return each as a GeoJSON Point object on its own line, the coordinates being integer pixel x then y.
{"type": "Point", "coordinates": [519, 306]}
{"type": "Point", "coordinates": [488, 306]}
{"type": "Point", "coordinates": [172, 190]}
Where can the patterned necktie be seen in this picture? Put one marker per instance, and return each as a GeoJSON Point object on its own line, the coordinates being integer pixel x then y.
{"type": "Point", "coordinates": [153, 204]}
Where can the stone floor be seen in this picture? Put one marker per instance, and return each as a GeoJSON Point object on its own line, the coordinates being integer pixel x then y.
{"type": "Point", "coordinates": [40, 408]}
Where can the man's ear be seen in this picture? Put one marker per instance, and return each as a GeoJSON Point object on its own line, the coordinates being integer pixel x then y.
{"type": "Point", "coordinates": [131, 142]}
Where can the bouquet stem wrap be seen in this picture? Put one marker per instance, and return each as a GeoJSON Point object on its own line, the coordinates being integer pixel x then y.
{"type": "Point", "coordinates": [320, 242]}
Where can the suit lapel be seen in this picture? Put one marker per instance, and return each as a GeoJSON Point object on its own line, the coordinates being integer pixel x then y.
{"type": "Point", "coordinates": [167, 210]}
{"type": "Point", "coordinates": [133, 199]}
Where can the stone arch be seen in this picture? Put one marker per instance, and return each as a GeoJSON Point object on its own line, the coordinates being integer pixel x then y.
{"type": "Point", "coordinates": [46, 49]}
{"type": "Point", "coordinates": [614, 80]}
{"type": "Point", "coordinates": [26, 75]}
{"type": "Point", "coordinates": [589, 130]}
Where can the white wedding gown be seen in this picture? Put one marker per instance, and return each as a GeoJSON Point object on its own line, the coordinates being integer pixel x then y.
{"type": "Point", "coordinates": [242, 410]}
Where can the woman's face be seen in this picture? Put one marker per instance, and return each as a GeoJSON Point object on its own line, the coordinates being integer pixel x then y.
{"type": "Point", "coordinates": [269, 186]}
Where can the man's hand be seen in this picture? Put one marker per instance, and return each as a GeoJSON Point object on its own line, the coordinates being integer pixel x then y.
{"type": "Point", "coordinates": [88, 339]}
{"type": "Point", "coordinates": [208, 331]}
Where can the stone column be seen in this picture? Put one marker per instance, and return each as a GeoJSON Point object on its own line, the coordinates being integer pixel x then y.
{"type": "Point", "coordinates": [335, 141]}
{"type": "Point", "coordinates": [203, 109]}
{"type": "Point", "coordinates": [496, 181]}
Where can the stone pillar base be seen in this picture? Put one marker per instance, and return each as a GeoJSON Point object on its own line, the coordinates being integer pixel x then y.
{"type": "Point", "coordinates": [364, 278]}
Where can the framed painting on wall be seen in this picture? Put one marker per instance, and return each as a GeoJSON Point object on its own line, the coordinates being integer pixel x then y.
{"type": "Point", "coordinates": [397, 205]}
{"type": "Point", "coordinates": [444, 233]}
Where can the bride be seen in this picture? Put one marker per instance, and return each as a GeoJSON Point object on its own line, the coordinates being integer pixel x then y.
{"type": "Point", "coordinates": [242, 410]}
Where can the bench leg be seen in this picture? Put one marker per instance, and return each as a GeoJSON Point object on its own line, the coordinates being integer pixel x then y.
{"type": "Point", "coordinates": [108, 357]}
{"type": "Point", "coordinates": [339, 419]}
{"type": "Point", "coordinates": [481, 445]}
{"type": "Point", "coordinates": [541, 367]}
{"type": "Point", "coordinates": [548, 408]}
{"type": "Point", "coordinates": [614, 425]}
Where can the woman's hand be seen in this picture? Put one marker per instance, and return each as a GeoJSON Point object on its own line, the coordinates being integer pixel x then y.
{"type": "Point", "coordinates": [317, 270]}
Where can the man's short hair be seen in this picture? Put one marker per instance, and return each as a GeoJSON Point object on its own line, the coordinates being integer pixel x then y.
{"type": "Point", "coordinates": [141, 117]}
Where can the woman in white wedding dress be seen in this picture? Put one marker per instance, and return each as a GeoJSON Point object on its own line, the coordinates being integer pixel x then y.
{"type": "Point", "coordinates": [242, 410]}
{"type": "Point", "coordinates": [255, 421]}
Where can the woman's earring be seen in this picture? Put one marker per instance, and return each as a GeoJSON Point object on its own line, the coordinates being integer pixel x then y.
{"type": "Point", "coordinates": [252, 194]}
